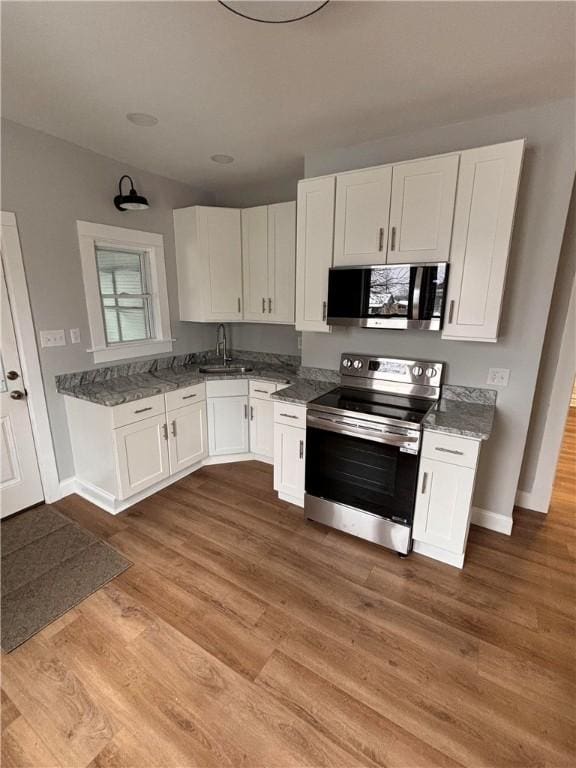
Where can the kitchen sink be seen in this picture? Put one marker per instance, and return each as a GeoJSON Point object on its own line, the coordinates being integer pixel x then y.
{"type": "Point", "coordinates": [226, 369]}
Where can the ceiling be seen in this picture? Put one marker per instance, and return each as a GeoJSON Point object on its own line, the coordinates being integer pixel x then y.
{"type": "Point", "coordinates": [267, 94]}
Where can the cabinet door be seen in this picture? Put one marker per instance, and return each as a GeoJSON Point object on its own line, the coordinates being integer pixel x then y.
{"type": "Point", "coordinates": [220, 241]}
{"type": "Point", "coordinates": [422, 210]}
{"type": "Point", "coordinates": [289, 460]}
{"type": "Point", "coordinates": [262, 427]}
{"type": "Point", "coordinates": [442, 512]}
{"type": "Point", "coordinates": [281, 262]}
{"type": "Point", "coordinates": [255, 262]}
{"type": "Point", "coordinates": [141, 454]}
{"type": "Point", "coordinates": [188, 436]}
{"type": "Point", "coordinates": [362, 215]}
{"type": "Point", "coordinates": [314, 243]}
{"type": "Point", "coordinates": [227, 425]}
{"type": "Point", "coordinates": [483, 220]}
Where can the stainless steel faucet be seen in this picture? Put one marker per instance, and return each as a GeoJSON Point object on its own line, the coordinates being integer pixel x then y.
{"type": "Point", "coordinates": [221, 343]}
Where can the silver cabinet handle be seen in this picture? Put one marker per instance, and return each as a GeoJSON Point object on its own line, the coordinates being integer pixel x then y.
{"type": "Point", "coordinates": [424, 482]}
{"type": "Point", "coordinates": [451, 311]}
{"type": "Point", "coordinates": [381, 239]}
{"type": "Point", "coordinates": [239, 305]}
{"type": "Point", "coordinates": [263, 304]}
{"type": "Point", "coordinates": [393, 239]}
{"type": "Point", "coordinates": [187, 397]}
{"type": "Point", "coordinates": [263, 391]}
{"type": "Point", "coordinates": [174, 428]}
{"type": "Point", "coordinates": [141, 410]}
{"type": "Point", "coordinates": [269, 306]}
{"type": "Point", "coordinates": [165, 431]}
{"type": "Point", "coordinates": [251, 413]}
{"type": "Point", "coordinates": [301, 454]}
{"type": "Point", "coordinates": [324, 310]}
{"type": "Point", "coordinates": [288, 415]}
{"type": "Point", "coordinates": [246, 412]}
{"type": "Point", "coordinates": [449, 450]}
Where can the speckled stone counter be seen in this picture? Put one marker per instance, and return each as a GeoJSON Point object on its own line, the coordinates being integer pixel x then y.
{"type": "Point", "coordinates": [304, 390]}
{"type": "Point", "coordinates": [464, 411]}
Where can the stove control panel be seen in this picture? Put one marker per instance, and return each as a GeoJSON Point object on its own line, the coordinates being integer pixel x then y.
{"type": "Point", "coordinates": [391, 369]}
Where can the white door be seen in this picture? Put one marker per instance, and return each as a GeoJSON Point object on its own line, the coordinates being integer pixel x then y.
{"type": "Point", "coordinates": [442, 511]}
{"type": "Point", "coordinates": [142, 454]}
{"type": "Point", "coordinates": [281, 262]}
{"type": "Point", "coordinates": [422, 210]}
{"type": "Point", "coordinates": [255, 263]}
{"type": "Point", "coordinates": [20, 484]}
{"type": "Point", "coordinates": [187, 436]}
{"type": "Point", "coordinates": [227, 425]}
{"type": "Point", "coordinates": [314, 244]}
{"type": "Point", "coordinates": [362, 215]}
{"type": "Point", "coordinates": [262, 427]}
{"type": "Point", "coordinates": [483, 220]}
{"type": "Point", "coordinates": [222, 245]}
{"type": "Point", "coordinates": [289, 460]}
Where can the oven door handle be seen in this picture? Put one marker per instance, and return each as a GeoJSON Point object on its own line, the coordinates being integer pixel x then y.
{"type": "Point", "coordinates": [354, 430]}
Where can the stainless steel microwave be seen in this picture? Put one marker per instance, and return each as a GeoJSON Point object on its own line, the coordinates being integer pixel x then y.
{"type": "Point", "coordinates": [388, 296]}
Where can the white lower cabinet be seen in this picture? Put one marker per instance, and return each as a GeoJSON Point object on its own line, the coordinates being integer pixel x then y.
{"type": "Point", "coordinates": [262, 427]}
{"type": "Point", "coordinates": [142, 455]}
{"type": "Point", "coordinates": [187, 436]}
{"type": "Point", "coordinates": [444, 496]}
{"type": "Point", "coordinates": [228, 425]}
{"type": "Point", "coordinates": [290, 451]}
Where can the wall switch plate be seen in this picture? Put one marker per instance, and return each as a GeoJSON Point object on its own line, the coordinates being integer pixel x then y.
{"type": "Point", "coordinates": [498, 377]}
{"type": "Point", "coordinates": [75, 335]}
{"type": "Point", "coordinates": [52, 338]}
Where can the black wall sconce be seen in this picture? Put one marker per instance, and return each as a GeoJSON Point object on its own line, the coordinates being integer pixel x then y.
{"type": "Point", "coordinates": [132, 201]}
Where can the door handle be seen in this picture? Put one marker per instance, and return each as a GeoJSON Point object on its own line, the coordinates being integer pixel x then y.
{"type": "Point", "coordinates": [393, 239]}
{"type": "Point", "coordinates": [424, 482]}
{"type": "Point", "coordinates": [301, 453]}
{"type": "Point", "coordinates": [269, 306]}
{"type": "Point", "coordinates": [246, 412]}
{"type": "Point", "coordinates": [251, 413]}
{"type": "Point", "coordinates": [451, 311]}
{"type": "Point", "coordinates": [324, 310]}
{"type": "Point", "coordinates": [174, 428]}
{"type": "Point", "coordinates": [263, 304]}
{"type": "Point", "coordinates": [12, 375]}
{"type": "Point", "coordinates": [17, 395]}
{"type": "Point", "coordinates": [165, 431]}
{"type": "Point", "coordinates": [381, 239]}
{"type": "Point", "coordinates": [239, 305]}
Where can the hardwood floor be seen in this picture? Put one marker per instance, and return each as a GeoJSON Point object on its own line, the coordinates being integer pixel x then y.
{"type": "Point", "coordinates": [243, 636]}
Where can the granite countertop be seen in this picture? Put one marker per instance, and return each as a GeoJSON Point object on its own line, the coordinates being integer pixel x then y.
{"type": "Point", "coordinates": [464, 411]}
{"type": "Point", "coordinates": [304, 390]}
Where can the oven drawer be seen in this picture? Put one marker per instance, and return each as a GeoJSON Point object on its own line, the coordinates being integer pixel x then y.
{"type": "Point", "coordinates": [452, 449]}
{"type": "Point", "coordinates": [289, 413]}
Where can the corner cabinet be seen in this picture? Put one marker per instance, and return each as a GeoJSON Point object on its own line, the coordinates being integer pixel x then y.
{"type": "Point", "coordinates": [314, 251]}
{"type": "Point", "coordinates": [209, 261]}
{"type": "Point", "coordinates": [227, 417]}
{"type": "Point", "coordinates": [483, 220]}
{"type": "Point", "coordinates": [269, 262]}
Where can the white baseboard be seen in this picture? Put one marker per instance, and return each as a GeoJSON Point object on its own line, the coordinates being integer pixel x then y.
{"type": "Point", "coordinates": [67, 486]}
{"type": "Point", "coordinates": [437, 553]}
{"type": "Point", "coordinates": [298, 501]}
{"type": "Point", "coordinates": [532, 500]}
{"type": "Point", "coordinates": [494, 521]}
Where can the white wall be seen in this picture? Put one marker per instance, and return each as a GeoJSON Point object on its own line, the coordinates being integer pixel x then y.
{"type": "Point", "coordinates": [49, 184]}
{"type": "Point", "coordinates": [543, 202]}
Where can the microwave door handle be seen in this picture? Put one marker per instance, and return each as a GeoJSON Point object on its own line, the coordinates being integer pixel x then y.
{"type": "Point", "coordinates": [417, 295]}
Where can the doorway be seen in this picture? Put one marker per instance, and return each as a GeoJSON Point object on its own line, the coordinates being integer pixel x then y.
{"type": "Point", "coordinates": [564, 490]}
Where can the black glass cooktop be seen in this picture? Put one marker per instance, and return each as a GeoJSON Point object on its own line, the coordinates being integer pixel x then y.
{"type": "Point", "coordinates": [399, 407]}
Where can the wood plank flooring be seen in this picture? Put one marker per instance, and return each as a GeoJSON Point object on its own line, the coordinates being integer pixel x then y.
{"type": "Point", "coordinates": [243, 636]}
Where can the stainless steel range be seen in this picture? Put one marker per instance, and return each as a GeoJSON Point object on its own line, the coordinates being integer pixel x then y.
{"type": "Point", "coordinates": [363, 447]}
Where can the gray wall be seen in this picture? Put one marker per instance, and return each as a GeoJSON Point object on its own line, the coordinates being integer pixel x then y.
{"type": "Point", "coordinates": [49, 184]}
{"type": "Point", "coordinates": [544, 195]}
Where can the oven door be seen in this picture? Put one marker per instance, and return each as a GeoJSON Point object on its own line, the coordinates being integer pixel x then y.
{"type": "Point", "coordinates": [359, 472]}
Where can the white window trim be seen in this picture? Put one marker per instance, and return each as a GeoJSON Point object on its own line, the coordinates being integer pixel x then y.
{"type": "Point", "coordinates": [89, 236]}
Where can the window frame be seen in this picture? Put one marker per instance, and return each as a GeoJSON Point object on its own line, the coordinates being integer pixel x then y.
{"type": "Point", "coordinates": [91, 235]}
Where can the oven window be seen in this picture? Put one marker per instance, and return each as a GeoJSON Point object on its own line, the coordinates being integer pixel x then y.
{"type": "Point", "coordinates": [371, 476]}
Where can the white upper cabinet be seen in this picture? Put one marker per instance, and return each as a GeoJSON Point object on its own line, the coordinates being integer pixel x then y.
{"type": "Point", "coordinates": [314, 245]}
{"type": "Point", "coordinates": [281, 262]}
{"type": "Point", "coordinates": [483, 220]}
{"type": "Point", "coordinates": [209, 260]}
{"type": "Point", "coordinates": [422, 209]}
{"type": "Point", "coordinates": [362, 215]}
{"type": "Point", "coordinates": [255, 262]}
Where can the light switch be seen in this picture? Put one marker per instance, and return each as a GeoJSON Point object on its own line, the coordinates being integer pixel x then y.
{"type": "Point", "coordinates": [52, 338]}
{"type": "Point", "coordinates": [75, 335]}
{"type": "Point", "coordinates": [498, 377]}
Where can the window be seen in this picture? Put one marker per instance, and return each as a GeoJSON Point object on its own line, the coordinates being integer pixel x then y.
{"type": "Point", "coordinates": [126, 296]}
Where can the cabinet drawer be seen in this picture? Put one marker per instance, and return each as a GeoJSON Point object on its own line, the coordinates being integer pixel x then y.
{"type": "Point", "coordinates": [185, 396]}
{"type": "Point", "coordinates": [289, 413]}
{"type": "Point", "coordinates": [227, 388]}
{"type": "Point", "coordinates": [129, 413]}
{"type": "Point", "coordinates": [450, 448]}
{"type": "Point", "coordinates": [262, 389]}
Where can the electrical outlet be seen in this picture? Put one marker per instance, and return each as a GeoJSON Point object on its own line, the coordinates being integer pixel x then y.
{"type": "Point", "coordinates": [52, 338]}
{"type": "Point", "coordinates": [75, 335]}
{"type": "Point", "coordinates": [498, 377]}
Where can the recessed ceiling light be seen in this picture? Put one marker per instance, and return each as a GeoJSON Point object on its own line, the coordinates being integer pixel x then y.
{"type": "Point", "coordinates": [142, 119]}
{"type": "Point", "coordinates": [222, 159]}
